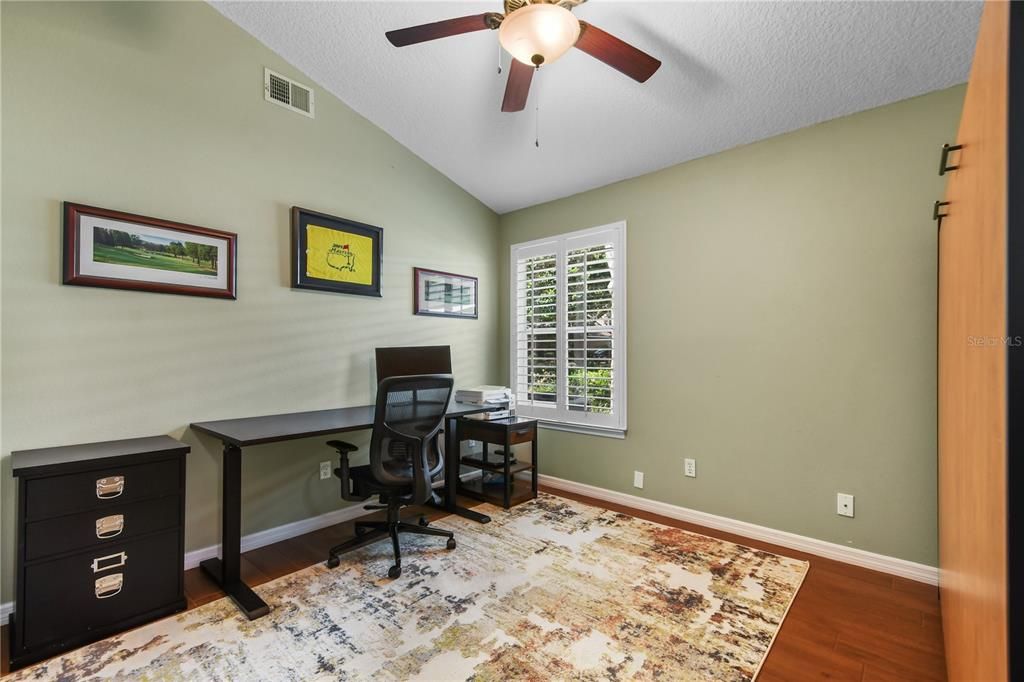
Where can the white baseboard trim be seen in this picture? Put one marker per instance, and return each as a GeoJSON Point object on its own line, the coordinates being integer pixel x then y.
{"type": "Point", "coordinates": [829, 550]}
{"type": "Point", "coordinates": [290, 530]}
{"type": "Point", "coordinates": [277, 534]}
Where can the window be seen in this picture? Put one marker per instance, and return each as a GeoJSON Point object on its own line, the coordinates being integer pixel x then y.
{"type": "Point", "coordinates": [568, 345]}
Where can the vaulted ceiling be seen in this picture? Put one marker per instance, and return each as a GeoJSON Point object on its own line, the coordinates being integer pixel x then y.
{"type": "Point", "coordinates": [732, 73]}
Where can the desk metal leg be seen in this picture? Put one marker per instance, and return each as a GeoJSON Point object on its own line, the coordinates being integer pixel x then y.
{"type": "Point", "coordinates": [451, 474]}
{"type": "Point", "coordinates": [507, 480]}
{"type": "Point", "coordinates": [226, 570]}
{"type": "Point", "coordinates": [536, 467]}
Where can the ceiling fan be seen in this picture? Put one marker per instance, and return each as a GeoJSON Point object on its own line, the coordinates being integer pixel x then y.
{"type": "Point", "coordinates": [536, 32]}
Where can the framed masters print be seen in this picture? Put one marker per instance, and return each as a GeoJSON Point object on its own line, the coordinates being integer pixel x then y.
{"type": "Point", "coordinates": [335, 254]}
{"type": "Point", "coordinates": [105, 248]}
{"type": "Point", "coordinates": [443, 294]}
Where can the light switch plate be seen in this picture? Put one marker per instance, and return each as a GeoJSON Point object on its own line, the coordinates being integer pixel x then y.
{"type": "Point", "coordinates": [325, 470]}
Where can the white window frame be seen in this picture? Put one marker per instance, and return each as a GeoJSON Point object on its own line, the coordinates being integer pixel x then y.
{"type": "Point", "coordinates": [559, 417]}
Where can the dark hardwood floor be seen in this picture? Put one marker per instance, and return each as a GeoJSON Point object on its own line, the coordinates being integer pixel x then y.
{"type": "Point", "coordinates": [846, 623]}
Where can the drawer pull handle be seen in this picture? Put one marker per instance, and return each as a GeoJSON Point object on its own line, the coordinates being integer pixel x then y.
{"type": "Point", "coordinates": [109, 526]}
{"type": "Point", "coordinates": [110, 487]}
{"type": "Point", "coordinates": [117, 560]}
{"type": "Point", "coordinates": [109, 585]}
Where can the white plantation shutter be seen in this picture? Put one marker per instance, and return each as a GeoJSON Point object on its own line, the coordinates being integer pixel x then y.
{"type": "Point", "coordinates": [568, 329]}
{"type": "Point", "coordinates": [536, 341]}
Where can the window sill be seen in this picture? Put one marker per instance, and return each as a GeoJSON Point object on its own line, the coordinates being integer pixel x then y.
{"type": "Point", "coordinates": [587, 430]}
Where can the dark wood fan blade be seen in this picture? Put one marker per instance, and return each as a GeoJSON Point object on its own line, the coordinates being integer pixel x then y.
{"type": "Point", "coordinates": [442, 29]}
{"type": "Point", "coordinates": [617, 54]}
{"type": "Point", "coordinates": [518, 86]}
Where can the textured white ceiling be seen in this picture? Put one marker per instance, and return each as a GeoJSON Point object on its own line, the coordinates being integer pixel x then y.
{"type": "Point", "coordinates": [732, 73]}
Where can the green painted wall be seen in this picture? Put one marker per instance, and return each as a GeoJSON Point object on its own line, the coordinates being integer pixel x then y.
{"type": "Point", "coordinates": [781, 295]}
{"type": "Point", "coordinates": [157, 108]}
{"type": "Point", "coordinates": [781, 312]}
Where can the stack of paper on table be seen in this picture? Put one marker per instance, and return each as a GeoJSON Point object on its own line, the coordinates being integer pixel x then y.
{"type": "Point", "coordinates": [484, 395]}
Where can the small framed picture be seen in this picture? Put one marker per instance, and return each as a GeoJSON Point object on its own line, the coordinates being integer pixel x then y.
{"type": "Point", "coordinates": [444, 294]}
{"type": "Point", "coordinates": [335, 254]}
{"type": "Point", "coordinates": [116, 250]}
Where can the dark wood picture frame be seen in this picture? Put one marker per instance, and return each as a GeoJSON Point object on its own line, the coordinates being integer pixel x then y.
{"type": "Point", "coordinates": [301, 279]}
{"type": "Point", "coordinates": [72, 261]}
{"type": "Point", "coordinates": [418, 310]}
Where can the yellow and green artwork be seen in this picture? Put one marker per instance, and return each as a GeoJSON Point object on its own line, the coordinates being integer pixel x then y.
{"type": "Point", "coordinates": [338, 256]}
{"type": "Point", "coordinates": [335, 254]}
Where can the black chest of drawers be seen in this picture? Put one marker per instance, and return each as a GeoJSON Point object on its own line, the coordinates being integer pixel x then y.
{"type": "Point", "coordinates": [100, 542]}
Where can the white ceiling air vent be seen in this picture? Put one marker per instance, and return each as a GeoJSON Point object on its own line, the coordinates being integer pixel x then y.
{"type": "Point", "coordinates": [287, 93]}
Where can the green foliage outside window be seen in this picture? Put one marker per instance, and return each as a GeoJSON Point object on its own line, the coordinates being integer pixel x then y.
{"type": "Point", "coordinates": [589, 323]}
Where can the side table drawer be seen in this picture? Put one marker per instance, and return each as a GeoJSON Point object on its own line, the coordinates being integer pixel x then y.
{"type": "Point", "coordinates": [71, 493]}
{"type": "Point", "coordinates": [522, 434]}
{"type": "Point", "coordinates": [494, 432]}
{"type": "Point", "coordinates": [91, 590]}
{"type": "Point", "coordinates": [100, 528]}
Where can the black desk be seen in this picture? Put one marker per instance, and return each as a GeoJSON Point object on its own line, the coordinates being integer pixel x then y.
{"type": "Point", "coordinates": [239, 433]}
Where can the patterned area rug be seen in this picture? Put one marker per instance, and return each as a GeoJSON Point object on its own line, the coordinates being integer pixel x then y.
{"type": "Point", "coordinates": [551, 590]}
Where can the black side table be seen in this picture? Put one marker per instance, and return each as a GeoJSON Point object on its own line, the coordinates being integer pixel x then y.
{"type": "Point", "coordinates": [506, 433]}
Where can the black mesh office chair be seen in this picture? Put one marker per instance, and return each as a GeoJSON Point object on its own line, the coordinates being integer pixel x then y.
{"type": "Point", "coordinates": [404, 459]}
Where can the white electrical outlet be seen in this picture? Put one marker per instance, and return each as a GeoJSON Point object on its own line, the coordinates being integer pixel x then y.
{"type": "Point", "coordinates": [690, 467]}
{"type": "Point", "coordinates": [844, 504]}
{"type": "Point", "coordinates": [638, 479]}
{"type": "Point", "coordinates": [325, 470]}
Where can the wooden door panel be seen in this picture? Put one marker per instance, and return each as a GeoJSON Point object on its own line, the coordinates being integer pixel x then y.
{"type": "Point", "coordinates": [972, 372]}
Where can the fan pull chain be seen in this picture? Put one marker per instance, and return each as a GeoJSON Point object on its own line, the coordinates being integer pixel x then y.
{"type": "Point", "coordinates": [499, 59]}
{"type": "Point", "coordinates": [536, 123]}
{"type": "Point", "coordinates": [536, 114]}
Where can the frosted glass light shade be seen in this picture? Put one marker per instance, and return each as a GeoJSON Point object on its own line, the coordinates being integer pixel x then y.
{"type": "Point", "coordinates": [539, 34]}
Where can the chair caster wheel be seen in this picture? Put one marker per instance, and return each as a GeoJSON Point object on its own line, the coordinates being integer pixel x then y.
{"type": "Point", "coordinates": [451, 543]}
{"type": "Point", "coordinates": [394, 571]}
{"type": "Point", "coordinates": [360, 532]}
{"type": "Point", "coordinates": [424, 522]}
{"type": "Point", "coordinates": [333, 562]}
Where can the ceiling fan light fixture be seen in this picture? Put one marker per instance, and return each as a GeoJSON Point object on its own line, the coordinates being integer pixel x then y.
{"type": "Point", "coordinates": [539, 34]}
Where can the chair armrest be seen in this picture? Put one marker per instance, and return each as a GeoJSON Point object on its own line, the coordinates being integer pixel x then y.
{"type": "Point", "coordinates": [342, 447]}
{"type": "Point", "coordinates": [343, 470]}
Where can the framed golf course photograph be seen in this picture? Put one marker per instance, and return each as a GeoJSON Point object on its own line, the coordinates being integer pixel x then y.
{"type": "Point", "coordinates": [335, 254]}
{"type": "Point", "coordinates": [116, 250]}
